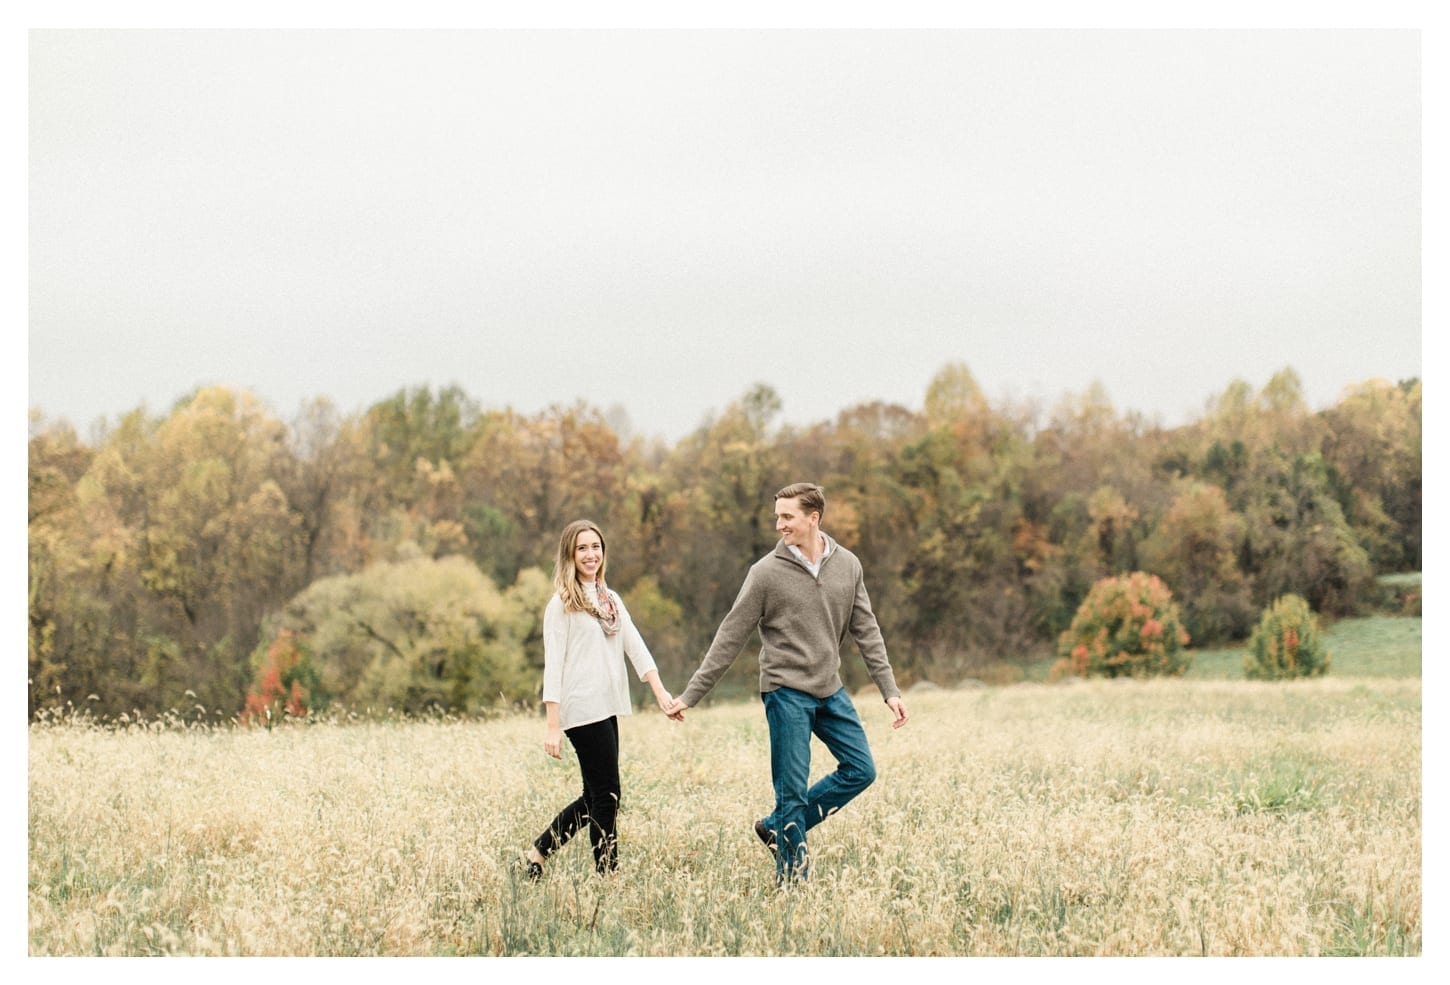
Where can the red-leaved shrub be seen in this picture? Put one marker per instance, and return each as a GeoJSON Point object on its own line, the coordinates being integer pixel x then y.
{"type": "Point", "coordinates": [285, 683]}
{"type": "Point", "coordinates": [1128, 626]}
{"type": "Point", "coordinates": [1287, 643]}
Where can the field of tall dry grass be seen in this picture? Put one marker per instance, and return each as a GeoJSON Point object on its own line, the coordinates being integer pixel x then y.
{"type": "Point", "coordinates": [1170, 817]}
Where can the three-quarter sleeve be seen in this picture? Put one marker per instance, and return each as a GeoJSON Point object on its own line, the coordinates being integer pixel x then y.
{"type": "Point", "coordinates": [634, 645]}
{"type": "Point", "coordinates": [556, 642]}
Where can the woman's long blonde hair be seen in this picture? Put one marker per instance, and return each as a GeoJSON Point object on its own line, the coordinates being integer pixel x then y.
{"type": "Point", "coordinates": [566, 577]}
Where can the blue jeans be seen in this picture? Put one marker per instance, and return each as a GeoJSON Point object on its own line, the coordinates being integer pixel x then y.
{"type": "Point", "coordinates": [793, 716]}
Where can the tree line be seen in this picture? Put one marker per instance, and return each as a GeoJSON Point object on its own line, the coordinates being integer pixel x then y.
{"type": "Point", "coordinates": [399, 557]}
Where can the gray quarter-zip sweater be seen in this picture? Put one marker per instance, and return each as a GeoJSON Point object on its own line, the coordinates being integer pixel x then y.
{"type": "Point", "coordinates": [804, 621]}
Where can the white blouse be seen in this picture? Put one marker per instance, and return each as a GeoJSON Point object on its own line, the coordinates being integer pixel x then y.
{"type": "Point", "coordinates": [584, 669]}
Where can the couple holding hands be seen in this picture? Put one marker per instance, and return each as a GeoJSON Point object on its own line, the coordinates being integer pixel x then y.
{"type": "Point", "coordinates": [806, 597]}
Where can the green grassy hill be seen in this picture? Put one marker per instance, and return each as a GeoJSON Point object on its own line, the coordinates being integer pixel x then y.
{"type": "Point", "coordinates": [1375, 646]}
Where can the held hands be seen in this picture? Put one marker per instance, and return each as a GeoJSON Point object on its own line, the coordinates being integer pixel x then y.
{"type": "Point", "coordinates": [670, 706]}
{"type": "Point", "coordinates": [898, 708]}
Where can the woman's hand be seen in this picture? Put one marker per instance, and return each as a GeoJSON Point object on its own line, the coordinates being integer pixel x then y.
{"type": "Point", "coordinates": [553, 742]}
{"type": "Point", "coordinates": [669, 706]}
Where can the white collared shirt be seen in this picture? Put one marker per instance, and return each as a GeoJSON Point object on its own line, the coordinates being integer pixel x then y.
{"type": "Point", "coordinates": [814, 569]}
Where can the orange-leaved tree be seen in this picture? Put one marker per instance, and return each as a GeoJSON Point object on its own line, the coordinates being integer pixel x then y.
{"type": "Point", "coordinates": [286, 682]}
{"type": "Point", "coordinates": [1128, 626]}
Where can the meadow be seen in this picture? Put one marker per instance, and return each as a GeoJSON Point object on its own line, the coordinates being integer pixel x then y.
{"type": "Point", "coordinates": [1202, 816]}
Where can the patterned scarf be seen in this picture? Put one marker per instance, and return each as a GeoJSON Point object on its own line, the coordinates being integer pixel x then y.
{"type": "Point", "coordinates": [605, 610]}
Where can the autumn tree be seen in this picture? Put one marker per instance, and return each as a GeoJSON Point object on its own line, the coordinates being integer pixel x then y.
{"type": "Point", "coordinates": [856, 458]}
{"type": "Point", "coordinates": [969, 596]}
{"type": "Point", "coordinates": [1297, 540]}
{"type": "Point", "coordinates": [417, 423]}
{"type": "Point", "coordinates": [326, 479]}
{"type": "Point", "coordinates": [1195, 548]}
{"type": "Point", "coordinates": [70, 546]}
{"type": "Point", "coordinates": [720, 485]}
{"type": "Point", "coordinates": [1287, 643]}
{"type": "Point", "coordinates": [1093, 489]}
{"type": "Point", "coordinates": [1374, 449]}
{"type": "Point", "coordinates": [1128, 626]}
{"type": "Point", "coordinates": [178, 540]}
{"type": "Point", "coordinates": [415, 443]}
{"type": "Point", "coordinates": [1274, 416]}
{"type": "Point", "coordinates": [286, 684]}
{"type": "Point", "coordinates": [219, 544]}
{"type": "Point", "coordinates": [524, 478]}
{"type": "Point", "coordinates": [416, 635]}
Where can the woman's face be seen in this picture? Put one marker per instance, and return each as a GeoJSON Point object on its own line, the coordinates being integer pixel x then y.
{"type": "Point", "coordinates": [588, 554]}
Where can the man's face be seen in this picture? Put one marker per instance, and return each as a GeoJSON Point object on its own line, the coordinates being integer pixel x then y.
{"type": "Point", "coordinates": [796, 529]}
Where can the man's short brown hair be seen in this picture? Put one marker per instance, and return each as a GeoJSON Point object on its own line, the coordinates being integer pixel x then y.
{"type": "Point", "coordinates": [811, 496]}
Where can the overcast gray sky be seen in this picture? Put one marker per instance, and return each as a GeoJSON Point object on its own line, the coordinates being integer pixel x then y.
{"type": "Point", "coordinates": [660, 219]}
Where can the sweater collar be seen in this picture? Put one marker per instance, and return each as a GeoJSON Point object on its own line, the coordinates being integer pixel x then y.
{"type": "Point", "coordinates": [781, 550]}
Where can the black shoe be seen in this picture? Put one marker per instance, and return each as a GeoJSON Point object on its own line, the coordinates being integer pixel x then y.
{"type": "Point", "coordinates": [766, 836]}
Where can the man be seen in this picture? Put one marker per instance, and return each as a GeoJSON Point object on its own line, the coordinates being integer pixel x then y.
{"type": "Point", "coordinates": [806, 597]}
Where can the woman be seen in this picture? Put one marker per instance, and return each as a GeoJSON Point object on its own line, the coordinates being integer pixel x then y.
{"type": "Point", "coordinates": [587, 635]}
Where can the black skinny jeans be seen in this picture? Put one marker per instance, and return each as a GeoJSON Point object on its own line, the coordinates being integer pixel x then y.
{"type": "Point", "coordinates": [597, 746]}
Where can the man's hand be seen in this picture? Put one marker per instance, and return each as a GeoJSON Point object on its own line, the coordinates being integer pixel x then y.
{"type": "Point", "coordinates": [898, 708]}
